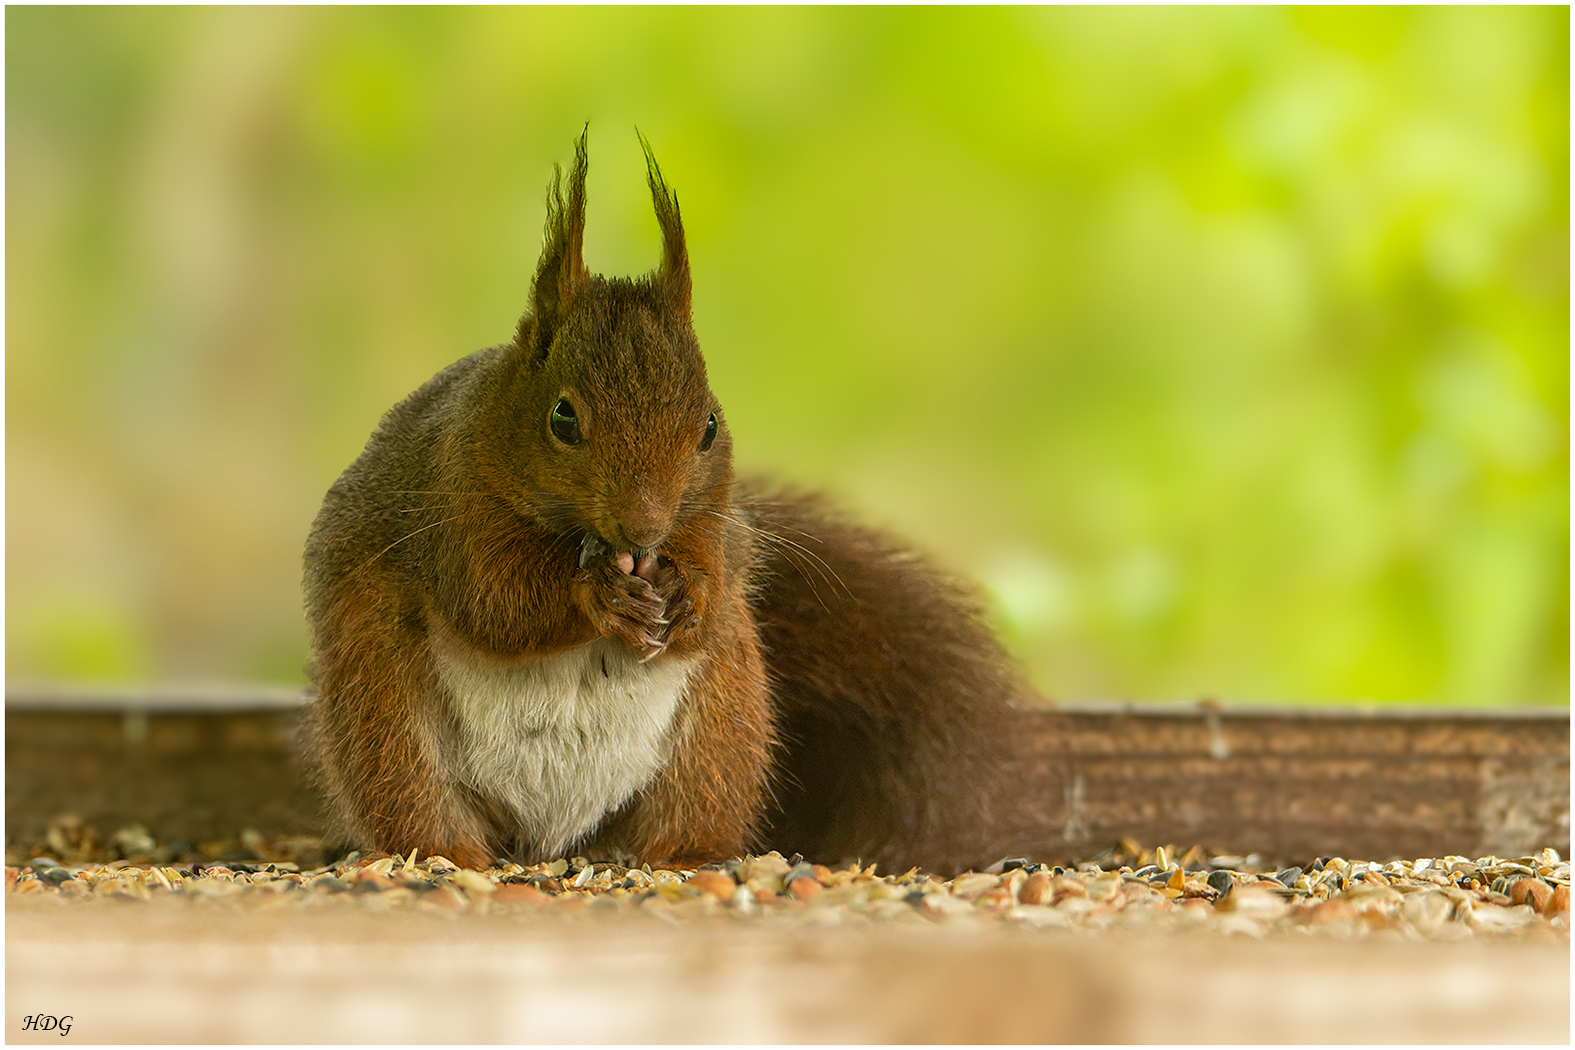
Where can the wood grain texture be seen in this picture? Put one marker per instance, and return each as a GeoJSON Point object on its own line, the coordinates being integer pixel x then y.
{"type": "Point", "coordinates": [1288, 783]}
{"type": "Point", "coordinates": [1292, 784]}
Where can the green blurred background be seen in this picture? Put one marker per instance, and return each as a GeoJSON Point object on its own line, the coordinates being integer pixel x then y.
{"type": "Point", "coordinates": [1228, 348]}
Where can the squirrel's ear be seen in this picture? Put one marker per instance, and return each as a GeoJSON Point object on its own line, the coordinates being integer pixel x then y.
{"type": "Point", "coordinates": [673, 276]}
{"type": "Point", "coordinates": [561, 273]}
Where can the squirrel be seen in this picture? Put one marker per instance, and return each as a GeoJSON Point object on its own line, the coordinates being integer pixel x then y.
{"type": "Point", "coordinates": [545, 616]}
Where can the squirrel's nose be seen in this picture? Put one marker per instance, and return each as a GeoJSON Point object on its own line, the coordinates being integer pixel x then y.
{"type": "Point", "coordinates": [644, 522]}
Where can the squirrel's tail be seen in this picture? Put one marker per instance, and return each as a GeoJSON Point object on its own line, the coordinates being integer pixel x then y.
{"type": "Point", "coordinates": [893, 697]}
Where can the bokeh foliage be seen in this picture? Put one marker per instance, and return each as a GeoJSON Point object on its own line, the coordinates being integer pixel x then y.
{"type": "Point", "coordinates": [1227, 347]}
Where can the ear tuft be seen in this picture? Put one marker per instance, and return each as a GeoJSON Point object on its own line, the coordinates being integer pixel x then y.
{"type": "Point", "coordinates": [561, 274]}
{"type": "Point", "coordinates": [673, 276]}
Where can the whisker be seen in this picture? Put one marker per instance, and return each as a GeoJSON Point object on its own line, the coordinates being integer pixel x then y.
{"type": "Point", "coordinates": [789, 548]}
{"type": "Point", "coordinates": [406, 536]}
{"type": "Point", "coordinates": [467, 495]}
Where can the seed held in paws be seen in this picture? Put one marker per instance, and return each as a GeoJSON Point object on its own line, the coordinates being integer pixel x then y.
{"type": "Point", "coordinates": [645, 568]}
{"type": "Point", "coordinates": [625, 562]}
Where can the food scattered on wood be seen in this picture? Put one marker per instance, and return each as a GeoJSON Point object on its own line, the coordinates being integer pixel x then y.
{"type": "Point", "coordinates": [1125, 888]}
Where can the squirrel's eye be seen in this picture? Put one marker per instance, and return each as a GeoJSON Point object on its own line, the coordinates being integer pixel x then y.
{"type": "Point", "coordinates": [710, 433]}
{"type": "Point", "coordinates": [565, 423]}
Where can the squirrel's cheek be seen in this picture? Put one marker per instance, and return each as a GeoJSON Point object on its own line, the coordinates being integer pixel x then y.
{"type": "Point", "coordinates": [645, 568]}
{"type": "Point", "coordinates": [625, 562]}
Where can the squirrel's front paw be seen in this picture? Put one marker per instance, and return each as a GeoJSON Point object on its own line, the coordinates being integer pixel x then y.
{"type": "Point", "coordinates": [620, 604]}
{"type": "Point", "coordinates": [676, 589]}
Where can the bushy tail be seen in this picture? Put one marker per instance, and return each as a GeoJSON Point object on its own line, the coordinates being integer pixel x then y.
{"type": "Point", "coordinates": [893, 697]}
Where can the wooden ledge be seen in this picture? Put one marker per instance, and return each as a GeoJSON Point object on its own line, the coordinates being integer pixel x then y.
{"type": "Point", "coordinates": [204, 762]}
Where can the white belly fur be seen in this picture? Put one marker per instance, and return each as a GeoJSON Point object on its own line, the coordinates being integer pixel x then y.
{"type": "Point", "coordinates": [562, 740]}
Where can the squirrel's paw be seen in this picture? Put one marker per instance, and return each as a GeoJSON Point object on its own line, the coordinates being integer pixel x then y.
{"type": "Point", "coordinates": [621, 605]}
{"type": "Point", "coordinates": [675, 587]}
{"type": "Point", "coordinates": [466, 855]}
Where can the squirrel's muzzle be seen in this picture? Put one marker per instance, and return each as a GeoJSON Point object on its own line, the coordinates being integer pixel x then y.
{"type": "Point", "coordinates": [640, 523]}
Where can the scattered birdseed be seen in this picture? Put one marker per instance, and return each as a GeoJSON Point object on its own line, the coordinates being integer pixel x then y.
{"type": "Point", "coordinates": [1128, 888]}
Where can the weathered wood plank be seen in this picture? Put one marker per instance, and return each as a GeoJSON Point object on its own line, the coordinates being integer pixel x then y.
{"type": "Point", "coordinates": [185, 775]}
{"type": "Point", "coordinates": [1288, 783]}
{"type": "Point", "coordinates": [1293, 783]}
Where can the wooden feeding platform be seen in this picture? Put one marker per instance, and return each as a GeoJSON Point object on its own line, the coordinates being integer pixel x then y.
{"type": "Point", "coordinates": [1415, 942]}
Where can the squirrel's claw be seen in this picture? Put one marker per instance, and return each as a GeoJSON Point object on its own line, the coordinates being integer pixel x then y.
{"type": "Point", "coordinates": [618, 603]}
{"type": "Point", "coordinates": [673, 584]}
{"type": "Point", "coordinates": [591, 546]}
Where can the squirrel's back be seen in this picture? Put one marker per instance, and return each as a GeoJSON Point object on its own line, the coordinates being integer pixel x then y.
{"type": "Point", "coordinates": [371, 501]}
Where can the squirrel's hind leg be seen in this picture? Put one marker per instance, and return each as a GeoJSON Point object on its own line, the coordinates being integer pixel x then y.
{"type": "Point", "coordinates": [373, 728]}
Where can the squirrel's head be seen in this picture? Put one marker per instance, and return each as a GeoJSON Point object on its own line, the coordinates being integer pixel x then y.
{"type": "Point", "coordinates": [611, 429]}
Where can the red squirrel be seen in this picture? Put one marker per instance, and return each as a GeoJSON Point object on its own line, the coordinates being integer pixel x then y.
{"type": "Point", "coordinates": [546, 618]}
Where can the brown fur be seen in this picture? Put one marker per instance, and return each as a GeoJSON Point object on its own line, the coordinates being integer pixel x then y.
{"type": "Point", "coordinates": [891, 695]}
{"type": "Point", "coordinates": [847, 701]}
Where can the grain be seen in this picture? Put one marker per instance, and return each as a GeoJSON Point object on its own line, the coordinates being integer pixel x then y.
{"type": "Point", "coordinates": [1440, 898]}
